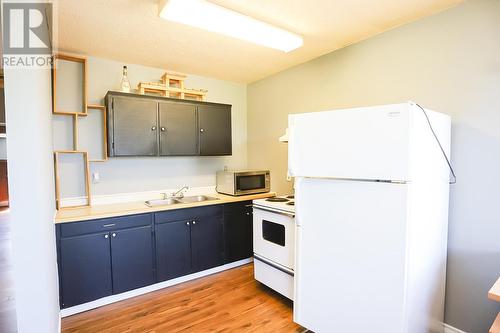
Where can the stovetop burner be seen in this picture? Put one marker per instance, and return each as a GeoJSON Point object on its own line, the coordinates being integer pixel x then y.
{"type": "Point", "coordinates": [291, 203]}
{"type": "Point", "coordinates": [277, 199]}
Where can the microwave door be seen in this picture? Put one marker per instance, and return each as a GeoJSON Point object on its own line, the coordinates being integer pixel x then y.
{"type": "Point", "coordinates": [251, 183]}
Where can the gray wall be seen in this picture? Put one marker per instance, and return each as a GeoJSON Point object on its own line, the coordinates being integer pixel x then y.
{"type": "Point", "coordinates": [449, 62]}
{"type": "Point", "coordinates": [121, 175]}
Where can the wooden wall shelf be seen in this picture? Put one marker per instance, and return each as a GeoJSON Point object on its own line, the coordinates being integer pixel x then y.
{"type": "Point", "coordinates": [102, 109]}
{"type": "Point", "coordinates": [58, 181]}
{"type": "Point", "coordinates": [76, 116]}
{"type": "Point", "coordinates": [73, 58]}
{"type": "Point", "coordinates": [494, 295]}
{"type": "Point", "coordinates": [495, 328]}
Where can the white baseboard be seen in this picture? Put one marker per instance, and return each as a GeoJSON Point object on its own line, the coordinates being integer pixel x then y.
{"type": "Point", "coordinates": [451, 329]}
{"type": "Point", "coordinates": [106, 199]}
{"type": "Point", "coordinates": [136, 292]}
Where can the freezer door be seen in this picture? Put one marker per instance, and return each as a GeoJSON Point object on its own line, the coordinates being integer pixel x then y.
{"type": "Point", "coordinates": [362, 143]}
{"type": "Point", "coordinates": [350, 256]}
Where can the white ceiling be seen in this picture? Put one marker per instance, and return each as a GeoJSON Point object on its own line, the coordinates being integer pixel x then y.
{"type": "Point", "coordinates": [131, 31]}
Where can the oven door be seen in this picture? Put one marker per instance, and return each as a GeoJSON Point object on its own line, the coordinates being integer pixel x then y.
{"type": "Point", "coordinates": [274, 236]}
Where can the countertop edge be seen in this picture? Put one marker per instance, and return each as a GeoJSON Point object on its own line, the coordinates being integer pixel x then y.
{"type": "Point", "coordinates": [138, 207]}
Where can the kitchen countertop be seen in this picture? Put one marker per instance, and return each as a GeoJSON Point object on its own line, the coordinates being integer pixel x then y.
{"type": "Point", "coordinates": [138, 207]}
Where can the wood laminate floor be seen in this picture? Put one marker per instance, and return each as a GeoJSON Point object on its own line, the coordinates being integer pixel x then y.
{"type": "Point", "coordinates": [230, 301]}
{"type": "Point", "coordinates": [7, 302]}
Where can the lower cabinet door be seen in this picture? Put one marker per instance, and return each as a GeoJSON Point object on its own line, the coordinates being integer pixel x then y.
{"type": "Point", "coordinates": [132, 259]}
{"type": "Point", "coordinates": [207, 243]}
{"type": "Point", "coordinates": [238, 231]}
{"type": "Point", "coordinates": [173, 249]}
{"type": "Point", "coordinates": [85, 269]}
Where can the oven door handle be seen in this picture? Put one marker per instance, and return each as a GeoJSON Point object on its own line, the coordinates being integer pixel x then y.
{"type": "Point", "coordinates": [270, 263]}
{"type": "Point", "coordinates": [274, 211]}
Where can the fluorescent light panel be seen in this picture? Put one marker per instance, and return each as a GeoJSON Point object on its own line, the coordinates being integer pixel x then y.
{"type": "Point", "coordinates": [208, 16]}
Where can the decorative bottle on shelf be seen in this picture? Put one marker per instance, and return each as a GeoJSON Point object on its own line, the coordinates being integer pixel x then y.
{"type": "Point", "coordinates": [125, 86]}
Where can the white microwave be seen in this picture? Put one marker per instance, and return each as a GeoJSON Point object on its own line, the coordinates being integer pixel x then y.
{"type": "Point", "coordinates": [243, 182]}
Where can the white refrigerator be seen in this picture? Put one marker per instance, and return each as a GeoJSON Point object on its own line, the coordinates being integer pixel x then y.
{"type": "Point", "coordinates": [371, 189]}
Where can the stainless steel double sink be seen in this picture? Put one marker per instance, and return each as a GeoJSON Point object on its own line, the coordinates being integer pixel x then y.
{"type": "Point", "coordinates": [176, 201]}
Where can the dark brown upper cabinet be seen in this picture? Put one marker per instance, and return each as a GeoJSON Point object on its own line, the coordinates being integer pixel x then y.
{"type": "Point", "coordinates": [134, 127]}
{"type": "Point", "coordinates": [142, 125]}
{"type": "Point", "coordinates": [215, 130]}
{"type": "Point", "coordinates": [178, 129]}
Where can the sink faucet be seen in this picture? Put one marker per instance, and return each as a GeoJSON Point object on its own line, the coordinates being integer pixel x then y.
{"type": "Point", "coordinates": [176, 194]}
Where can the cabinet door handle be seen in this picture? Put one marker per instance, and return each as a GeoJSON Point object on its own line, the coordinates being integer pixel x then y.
{"type": "Point", "coordinates": [113, 234]}
{"type": "Point", "coordinates": [153, 128]}
{"type": "Point", "coordinates": [194, 222]}
{"type": "Point", "coordinates": [106, 236]}
{"type": "Point", "coordinates": [187, 223]}
{"type": "Point", "coordinates": [248, 213]}
{"type": "Point", "coordinates": [202, 130]}
{"type": "Point", "coordinates": [162, 129]}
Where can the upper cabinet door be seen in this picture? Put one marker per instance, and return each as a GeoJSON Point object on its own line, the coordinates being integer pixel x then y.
{"type": "Point", "coordinates": [215, 129]}
{"type": "Point", "coordinates": [134, 127]}
{"type": "Point", "coordinates": [178, 129]}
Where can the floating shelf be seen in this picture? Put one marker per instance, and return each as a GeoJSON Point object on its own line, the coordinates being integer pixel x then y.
{"type": "Point", "coordinates": [494, 295]}
{"type": "Point", "coordinates": [77, 116]}
{"type": "Point", "coordinates": [495, 328]}
{"type": "Point", "coordinates": [57, 174]}
{"type": "Point", "coordinates": [55, 106]}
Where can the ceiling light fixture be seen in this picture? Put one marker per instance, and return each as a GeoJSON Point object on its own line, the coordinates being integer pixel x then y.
{"type": "Point", "coordinates": [206, 15]}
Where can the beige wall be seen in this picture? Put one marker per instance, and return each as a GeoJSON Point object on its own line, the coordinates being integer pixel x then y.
{"type": "Point", "coordinates": [121, 175]}
{"type": "Point", "coordinates": [449, 62]}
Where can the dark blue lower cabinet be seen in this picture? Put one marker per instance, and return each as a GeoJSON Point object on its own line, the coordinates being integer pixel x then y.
{"type": "Point", "coordinates": [207, 246]}
{"type": "Point", "coordinates": [132, 259]}
{"type": "Point", "coordinates": [85, 268]}
{"type": "Point", "coordinates": [103, 257]}
{"type": "Point", "coordinates": [173, 249]}
{"type": "Point", "coordinates": [238, 231]}
{"type": "Point", "coordinates": [99, 258]}
{"type": "Point", "coordinates": [188, 241]}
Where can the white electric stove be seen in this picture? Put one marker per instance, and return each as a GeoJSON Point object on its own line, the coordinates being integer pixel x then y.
{"type": "Point", "coordinates": [284, 203]}
{"type": "Point", "coordinates": [274, 242]}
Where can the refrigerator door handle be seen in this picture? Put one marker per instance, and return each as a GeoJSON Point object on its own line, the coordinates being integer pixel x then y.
{"type": "Point", "coordinates": [291, 164]}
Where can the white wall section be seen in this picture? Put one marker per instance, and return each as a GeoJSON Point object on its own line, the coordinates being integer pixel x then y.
{"type": "Point", "coordinates": [28, 108]}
